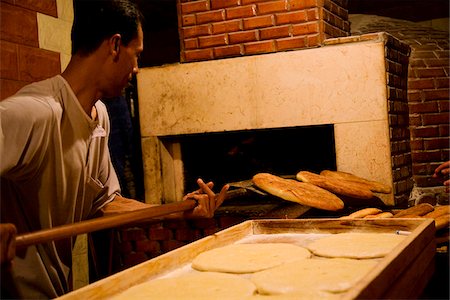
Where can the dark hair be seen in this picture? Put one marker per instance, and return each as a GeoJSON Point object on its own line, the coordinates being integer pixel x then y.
{"type": "Point", "coordinates": [97, 20]}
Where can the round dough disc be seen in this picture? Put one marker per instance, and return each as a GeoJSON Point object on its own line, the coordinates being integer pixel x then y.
{"type": "Point", "coordinates": [332, 275]}
{"type": "Point", "coordinates": [355, 245]}
{"type": "Point", "coordinates": [198, 285]}
{"type": "Point", "coordinates": [248, 258]}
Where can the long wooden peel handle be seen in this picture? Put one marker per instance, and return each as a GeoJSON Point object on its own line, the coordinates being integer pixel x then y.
{"type": "Point", "coordinates": [66, 231]}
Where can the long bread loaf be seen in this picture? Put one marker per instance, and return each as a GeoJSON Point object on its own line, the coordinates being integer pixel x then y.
{"type": "Point", "coordinates": [300, 192]}
{"type": "Point", "coordinates": [374, 186]}
{"type": "Point", "coordinates": [417, 210]}
{"type": "Point", "coordinates": [341, 187]}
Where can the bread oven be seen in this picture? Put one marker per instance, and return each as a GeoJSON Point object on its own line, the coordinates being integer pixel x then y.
{"type": "Point", "coordinates": [351, 94]}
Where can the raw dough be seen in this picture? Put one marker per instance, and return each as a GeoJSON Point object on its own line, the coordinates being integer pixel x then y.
{"type": "Point", "coordinates": [355, 245]}
{"type": "Point", "coordinates": [198, 285]}
{"type": "Point", "coordinates": [334, 275]}
{"type": "Point", "coordinates": [248, 258]}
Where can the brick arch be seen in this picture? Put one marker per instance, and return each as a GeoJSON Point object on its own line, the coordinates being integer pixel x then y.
{"type": "Point", "coordinates": [428, 91]}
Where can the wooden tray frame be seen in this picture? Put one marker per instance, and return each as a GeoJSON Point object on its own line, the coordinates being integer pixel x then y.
{"type": "Point", "coordinates": [401, 274]}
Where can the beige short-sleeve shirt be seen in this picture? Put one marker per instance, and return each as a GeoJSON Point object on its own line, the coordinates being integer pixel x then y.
{"type": "Point", "coordinates": [55, 169]}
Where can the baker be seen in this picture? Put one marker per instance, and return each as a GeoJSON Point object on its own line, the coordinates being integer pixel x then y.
{"type": "Point", "coordinates": [55, 166]}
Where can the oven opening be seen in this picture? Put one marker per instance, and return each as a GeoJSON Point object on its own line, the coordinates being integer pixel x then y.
{"type": "Point", "coordinates": [234, 156]}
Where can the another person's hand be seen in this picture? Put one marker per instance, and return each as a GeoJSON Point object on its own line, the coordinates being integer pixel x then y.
{"type": "Point", "coordinates": [207, 200]}
{"type": "Point", "coordinates": [443, 170]}
{"type": "Point", "coordinates": [8, 234]}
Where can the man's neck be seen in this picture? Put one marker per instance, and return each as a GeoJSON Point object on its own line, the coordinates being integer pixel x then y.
{"type": "Point", "coordinates": [82, 79]}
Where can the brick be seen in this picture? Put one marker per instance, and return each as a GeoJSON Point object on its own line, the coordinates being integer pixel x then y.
{"type": "Point", "coordinates": [195, 31]}
{"type": "Point", "coordinates": [314, 40]}
{"type": "Point", "coordinates": [259, 47]}
{"type": "Point", "coordinates": [212, 41]}
{"type": "Point", "coordinates": [423, 107]}
{"type": "Point", "coordinates": [444, 130]}
{"type": "Point", "coordinates": [159, 234]}
{"type": "Point", "coordinates": [194, 6]}
{"type": "Point", "coordinates": [37, 64]}
{"type": "Point", "coordinates": [301, 4]}
{"type": "Point", "coordinates": [433, 119]}
{"type": "Point", "coordinates": [211, 16]}
{"type": "Point", "coordinates": [190, 44]}
{"type": "Point", "coordinates": [24, 32]}
{"type": "Point", "coordinates": [152, 247]}
{"type": "Point", "coordinates": [291, 43]}
{"type": "Point", "coordinates": [175, 224]}
{"type": "Point", "coordinates": [228, 221]}
{"type": "Point", "coordinates": [417, 63]}
{"type": "Point", "coordinates": [227, 51]}
{"type": "Point", "coordinates": [436, 143]}
{"type": "Point", "coordinates": [429, 131]}
{"type": "Point", "coordinates": [241, 12]}
{"type": "Point", "coordinates": [204, 223]}
{"type": "Point", "coordinates": [441, 94]}
{"type": "Point", "coordinates": [171, 245]}
{"type": "Point", "coordinates": [134, 258]}
{"type": "Point", "coordinates": [125, 247]}
{"type": "Point", "coordinates": [442, 54]}
{"type": "Point", "coordinates": [312, 14]}
{"type": "Point", "coordinates": [419, 84]}
{"type": "Point", "coordinates": [415, 120]}
{"type": "Point", "coordinates": [417, 144]}
{"type": "Point", "coordinates": [444, 106]}
{"type": "Point", "coordinates": [243, 36]}
{"type": "Point", "coordinates": [215, 4]}
{"type": "Point", "coordinates": [272, 7]}
{"type": "Point", "coordinates": [187, 235]}
{"type": "Point", "coordinates": [246, 2]}
{"type": "Point", "coordinates": [227, 26]}
{"type": "Point", "coordinates": [133, 234]}
{"type": "Point", "coordinates": [9, 68]}
{"type": "Point", "coordinates": [423, 54]}
{"type": "Point", "coordinates": [258, 22]}
{"type": "Point", "coordinates": [429, 72]}
{"type": "Point", "coordinates": [210, 231]}
{"type": "Point", "coordinates": [10, 87]}
{"type": "Point", "coordinates": [306, 28]}
{"type": "Point", "coordinates": [47, 7]}
{"type": "Point", "coordinates": [426, 156]}
{"type": "Point", "coordinates": [290, 17]}
{"type": "Point", "coordinates": [436, 62]}
{"type": "Point", "coordinates": [414, 96]}
{"type": "Point", "coordinates": [274, 32]}
{"type": "Point", "coordinates": [193, 55]}
{"type": "Point", "coordinates": [421, 169]}
{"type": "Point", "coordinates": [442, 83]}
{"type": "Point", "coordinates": [188, 20]}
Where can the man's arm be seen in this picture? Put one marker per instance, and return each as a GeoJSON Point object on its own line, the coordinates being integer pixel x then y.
{"type": "Point", "coordinates": [207, 201]}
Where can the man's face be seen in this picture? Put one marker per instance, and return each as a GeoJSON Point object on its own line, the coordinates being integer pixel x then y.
{"type": "Point", "coordinates": [126, 64]}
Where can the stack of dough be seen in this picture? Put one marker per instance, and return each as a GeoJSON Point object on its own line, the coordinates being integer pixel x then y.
{"type": "Point", "coordinates": [248, 258]}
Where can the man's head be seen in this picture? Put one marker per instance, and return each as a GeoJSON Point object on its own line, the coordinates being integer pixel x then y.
{"type": "Point", "coordinates": [107, 36]}
{"type": "Point", "coordinates": [97, 20]}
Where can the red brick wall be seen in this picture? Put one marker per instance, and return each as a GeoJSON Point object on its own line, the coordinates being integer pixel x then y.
{"type": "Point", "coordinates": [211, 29]}
{"type": "Point", "coordinates": [428, 94]}
{"type": "Point", "coordinates": [21, 59]}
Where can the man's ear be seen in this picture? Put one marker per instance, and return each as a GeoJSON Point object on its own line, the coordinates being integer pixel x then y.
{"type": "Point", "coordinates": [114, 44]}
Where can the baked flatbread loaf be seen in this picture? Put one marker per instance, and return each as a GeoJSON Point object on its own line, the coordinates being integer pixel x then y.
{"type": "Point", "coordinates": [374, 186]}
{"type": "Point", "coordinates": [341, 187]}
{"type": "Point", "coordinates": [300, 192]}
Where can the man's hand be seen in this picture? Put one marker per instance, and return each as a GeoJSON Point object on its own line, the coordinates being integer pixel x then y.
{"type": "Point", "coordinates": [443, 171]}
{"type": "Point", "coordinates": [8, 234]}
{"type": "Point", "coordinates": [207, 200]}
